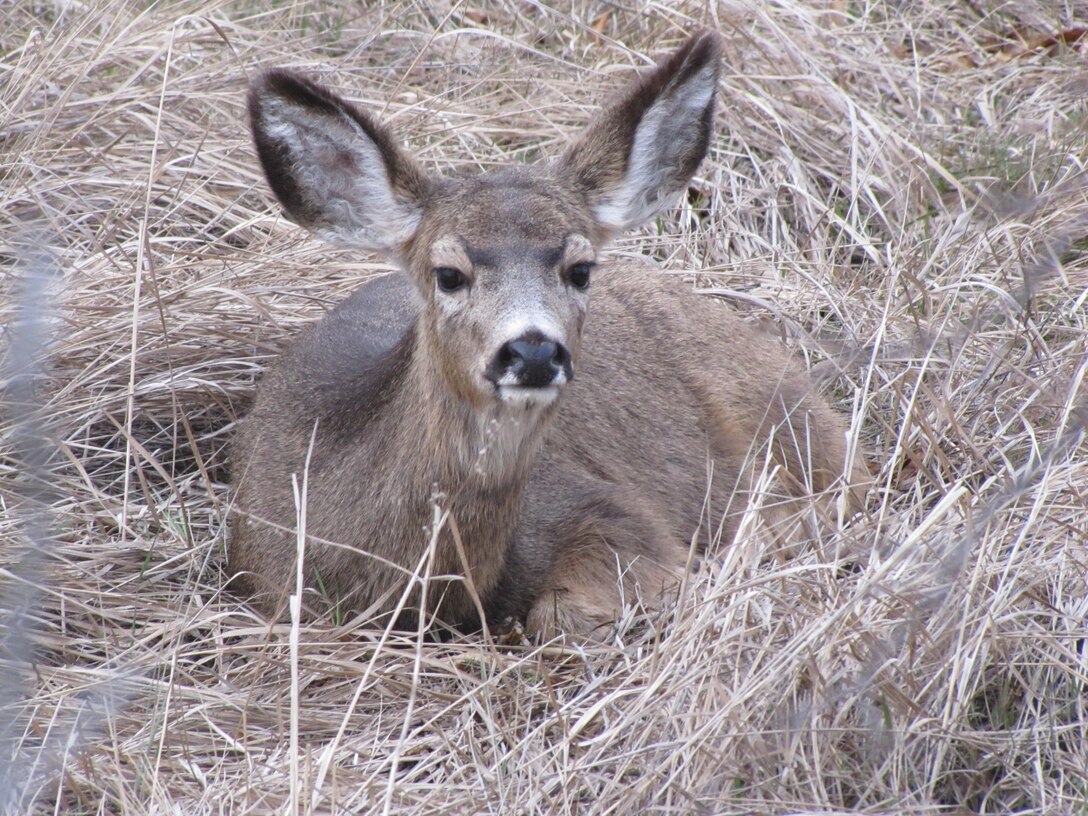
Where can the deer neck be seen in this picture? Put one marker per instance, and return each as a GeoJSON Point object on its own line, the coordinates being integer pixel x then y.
{"type": "Point", "coordinates": [471, 460]}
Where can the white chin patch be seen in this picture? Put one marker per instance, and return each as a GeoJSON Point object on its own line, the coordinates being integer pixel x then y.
{"type": "Point", "coordinates": [528, 397]}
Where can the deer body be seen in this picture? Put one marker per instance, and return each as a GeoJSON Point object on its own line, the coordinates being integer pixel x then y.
{"type": "Point", "coordinates": [446, 430]}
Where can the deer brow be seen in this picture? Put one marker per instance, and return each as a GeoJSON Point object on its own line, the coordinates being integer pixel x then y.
{"type": "Point", "coordinates": [502, 255]}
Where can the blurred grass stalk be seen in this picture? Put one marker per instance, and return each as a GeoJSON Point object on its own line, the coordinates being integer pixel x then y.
{"type": "Point", "coordinates": [30, 759]}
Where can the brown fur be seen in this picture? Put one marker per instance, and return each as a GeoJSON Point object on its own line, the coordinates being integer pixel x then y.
{"type": "Point", "coordinates": [564, 511]}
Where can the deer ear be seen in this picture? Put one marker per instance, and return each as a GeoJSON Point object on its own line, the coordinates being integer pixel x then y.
{"type": "Point", "coordinates": [336, 171]}
{"type": "Point", "coordinates": [638, 153]}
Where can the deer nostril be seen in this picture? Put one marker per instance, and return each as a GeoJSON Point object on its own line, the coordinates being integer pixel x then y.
{"type": "Point", "coordinates": [562, 358]}
{"type": "Point", "coordinates": [505, 356]}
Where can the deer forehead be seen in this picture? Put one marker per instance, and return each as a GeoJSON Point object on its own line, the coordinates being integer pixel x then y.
{"type": "Point", "coordinates": [510, 206]}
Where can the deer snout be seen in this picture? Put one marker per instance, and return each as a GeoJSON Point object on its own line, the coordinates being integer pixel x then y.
{"type": "Point", "coordinates": [531, 361]}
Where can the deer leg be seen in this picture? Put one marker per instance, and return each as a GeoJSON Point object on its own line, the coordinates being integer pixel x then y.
{"type": "Point", "coordinates": [610, 552]}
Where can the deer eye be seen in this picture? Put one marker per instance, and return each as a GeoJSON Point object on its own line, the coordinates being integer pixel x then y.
{"type": "Point", "coordinates": [578, 275]}
{"type": "Point", "coordinates": [449, 279]}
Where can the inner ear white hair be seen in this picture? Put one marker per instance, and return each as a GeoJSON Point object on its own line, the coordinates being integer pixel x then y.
{"type": "Point", "coordinates": [335, 170]}
{"type": "Point", "coordinates": [639, 153]}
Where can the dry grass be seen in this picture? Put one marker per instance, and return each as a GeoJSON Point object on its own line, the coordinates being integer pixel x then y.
{"type": "Point", "coordinates": [900, 186]}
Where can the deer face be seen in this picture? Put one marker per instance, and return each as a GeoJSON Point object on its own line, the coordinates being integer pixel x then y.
{"type": "Point", "coordinates": [505, 267]}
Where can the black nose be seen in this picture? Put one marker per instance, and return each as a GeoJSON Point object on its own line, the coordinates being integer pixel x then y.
{"type": "Point", "coordinates": [531, 362]}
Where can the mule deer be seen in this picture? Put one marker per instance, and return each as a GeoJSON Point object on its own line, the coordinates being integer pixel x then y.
{"type": "Point", "coordinates": [575, 441]}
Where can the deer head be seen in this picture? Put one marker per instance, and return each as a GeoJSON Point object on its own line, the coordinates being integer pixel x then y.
{"type": "Point", "coordinates": [503, 260]}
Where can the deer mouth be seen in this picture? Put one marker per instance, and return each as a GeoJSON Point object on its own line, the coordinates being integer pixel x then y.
{"type": "Point", "coordinates": [528, 396]}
